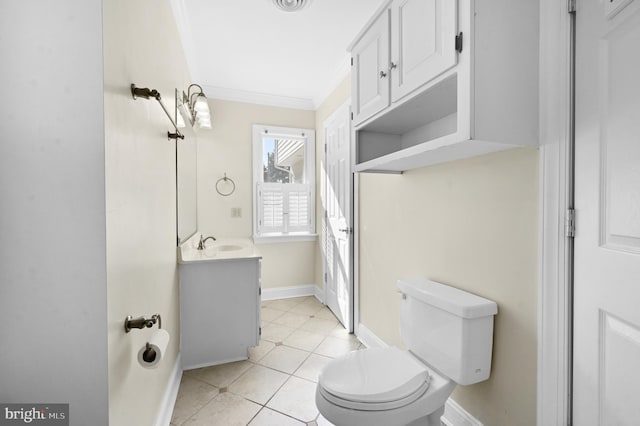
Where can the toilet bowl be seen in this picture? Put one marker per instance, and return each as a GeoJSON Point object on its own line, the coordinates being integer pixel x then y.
{"type": "Point", "coordinates": [449, 337]}
{"type": "Point", "coordinates": [385, 387]}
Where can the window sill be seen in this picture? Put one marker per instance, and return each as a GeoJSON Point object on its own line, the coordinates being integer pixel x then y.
{"type": "Point", "coordinates": [284, 238]}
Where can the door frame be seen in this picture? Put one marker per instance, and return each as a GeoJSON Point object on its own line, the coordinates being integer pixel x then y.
{"type": "Point", "coordinates": [353, 308]}
{"type": "Point", "coordinates": [554, 394]}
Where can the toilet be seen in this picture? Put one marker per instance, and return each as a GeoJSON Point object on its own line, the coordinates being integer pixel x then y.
{"type": "Point", "coordinates": [448, 334]}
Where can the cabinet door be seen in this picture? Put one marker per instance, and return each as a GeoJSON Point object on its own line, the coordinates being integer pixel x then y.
{"type": "Point", "coordinates": [370, 70]}
{"type": "Point", "coordinates": [423, 42]}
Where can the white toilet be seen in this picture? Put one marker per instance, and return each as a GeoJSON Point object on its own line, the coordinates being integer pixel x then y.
{"type": "Point", "coordinates": [449, 336]}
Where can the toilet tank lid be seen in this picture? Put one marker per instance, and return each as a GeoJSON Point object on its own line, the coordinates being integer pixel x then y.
{"type": "Point", "coordinates": [450, 299]}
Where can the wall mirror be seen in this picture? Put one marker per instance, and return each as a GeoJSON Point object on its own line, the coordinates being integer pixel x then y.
{"type": "Point", "coordinates": [186, 175]}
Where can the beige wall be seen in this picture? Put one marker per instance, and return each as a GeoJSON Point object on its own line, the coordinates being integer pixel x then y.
{"type": "Point", "coordinates": [227, 148]}
{"type": "Point", "coordinates": [471, 224]}
{"type": "Point", "coordinates": [339, 96]}
{"type": "Point", "coordinates": [141, 46]}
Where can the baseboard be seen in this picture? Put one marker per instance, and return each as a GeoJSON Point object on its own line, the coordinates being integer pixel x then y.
{"type": "Point", "coordinates": [319, 293]}
{"type": "Point", "coordinates": [368, 337]}
{"type": "Point", "coordinates": [455, 415]}
{"type": "Point", "coordinates": [170, 394]}
{"type": "Point", "coordinates": [210, 364]}
{"type": "Point", "coordinates": [288, 292]}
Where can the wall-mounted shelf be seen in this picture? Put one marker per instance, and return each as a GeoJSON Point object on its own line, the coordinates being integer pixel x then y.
{"type": "Point", "coordinates": [485, 100]}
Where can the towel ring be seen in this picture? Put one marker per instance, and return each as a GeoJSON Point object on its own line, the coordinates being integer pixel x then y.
{"type": "Point", "coordinates": [225, 179]}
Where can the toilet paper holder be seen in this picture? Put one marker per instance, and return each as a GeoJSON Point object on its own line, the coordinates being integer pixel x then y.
{"type": "Point", "coordinates": [142, 322]}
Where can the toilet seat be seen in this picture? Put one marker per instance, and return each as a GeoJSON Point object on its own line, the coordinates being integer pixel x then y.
{"type": "Point", "coordinates": [374, 379]}
{"type": "Point", "coordinates": [374, 406]}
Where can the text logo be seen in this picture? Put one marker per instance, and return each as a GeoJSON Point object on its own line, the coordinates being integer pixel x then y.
{"type": "Point", "coordinates": [34, 414]}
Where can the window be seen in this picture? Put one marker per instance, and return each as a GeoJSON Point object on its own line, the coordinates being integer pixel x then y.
{"type": "Point", "coordinates": [284, 183]}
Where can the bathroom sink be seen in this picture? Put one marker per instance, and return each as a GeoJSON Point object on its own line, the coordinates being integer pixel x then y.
{"type": "Point", "coordinates": [227, 248]}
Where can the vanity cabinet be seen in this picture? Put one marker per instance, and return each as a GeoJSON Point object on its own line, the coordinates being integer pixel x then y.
{"type": "Point", "coordinates": [439, 80]}
{"type": "Point", "coordinates": [219, 310]}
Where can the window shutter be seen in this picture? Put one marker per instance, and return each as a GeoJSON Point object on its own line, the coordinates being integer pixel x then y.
{"type": "Point", "coordinates": [271, 208]}
{"type": "Point", "coordinates": [284, 208]}
{"type": "Point", "coordinates": [298, 202]}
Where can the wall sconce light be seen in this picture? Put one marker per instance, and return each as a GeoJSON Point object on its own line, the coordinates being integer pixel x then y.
{"type": "Point", "coordinates": [145, 93]}
{"type": "Point", "coordinates": [195, 108]}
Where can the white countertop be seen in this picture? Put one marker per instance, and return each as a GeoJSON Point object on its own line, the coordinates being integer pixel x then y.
{"type": "Point", "coordinates": [221, 249]}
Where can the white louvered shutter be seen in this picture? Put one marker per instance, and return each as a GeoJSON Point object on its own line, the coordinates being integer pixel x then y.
{"type": "Point", "coordinates": [298, 205]}
{"type": "Point", "coordinates": [284, 208]}
{"type": "Point", "coordinates": [271, 208]}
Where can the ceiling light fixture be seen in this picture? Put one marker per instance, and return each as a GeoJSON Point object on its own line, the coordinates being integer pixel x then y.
{"type": "Point", "coordinates": [291, 5]}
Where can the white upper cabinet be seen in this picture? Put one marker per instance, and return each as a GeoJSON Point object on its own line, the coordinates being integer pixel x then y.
{"type": "Point", "coordinates": [407, 44]}
{"type": "Point", "coordinates": [460, 80]}
{"type": "Point", "coordinates": [422, 43]}
{"type": "Point", "coordinates": [370, 63]}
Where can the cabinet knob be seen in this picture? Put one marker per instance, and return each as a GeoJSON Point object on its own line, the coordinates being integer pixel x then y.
{"type": "Point", "coordinates": [383, 74]}
{"type": "Point", "coordinates": [393, 66]}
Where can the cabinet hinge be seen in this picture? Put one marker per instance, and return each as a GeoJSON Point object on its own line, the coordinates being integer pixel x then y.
{"type": "Point", "coordinates": [351, 61]}
{"type": "Point", "coordinates": [259, 291]}
{"type": "Point", "coordinates": [325, 277]}
{"type": "Point", "coordinates": [571, 5]}
{"type": "Point", "coordinates": [570, 225]}
{"type": "Point", "coordinates": [459, 42]}
{"type": "Point", "coordinates": [352, 116]}
{"type": "Point", "coordinates": [259, 331]}
{"type": "Point", "coordinates": [325, 148]}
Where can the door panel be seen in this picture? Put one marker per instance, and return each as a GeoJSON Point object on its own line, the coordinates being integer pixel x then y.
{"type": "Point", "coordinates": [606, 366]}
{"type": "Point", "coordinates": [424, 43]}
{"type": "Point", "coordinates": [370, 80]}
{"type": "Point", "coordinates": [621, 157]}
{"type": "Point", "coordinates": [620, 386]}
{"type": "Point", "coordinates": [337, 198]}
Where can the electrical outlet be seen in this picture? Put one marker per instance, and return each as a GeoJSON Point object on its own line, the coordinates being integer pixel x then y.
{"type": "Point", "coordinates": [236, 212]}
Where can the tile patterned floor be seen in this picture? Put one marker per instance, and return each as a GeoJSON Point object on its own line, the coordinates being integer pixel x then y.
{"type": "Point", "coordinates": [276, 386]}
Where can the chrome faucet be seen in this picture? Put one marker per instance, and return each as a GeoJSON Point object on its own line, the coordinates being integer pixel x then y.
{"type": "Point", "coordinates": [201, 245]}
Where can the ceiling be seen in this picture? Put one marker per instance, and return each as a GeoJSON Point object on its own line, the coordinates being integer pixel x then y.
{"type": "Point", "coordinates": [248, 50]}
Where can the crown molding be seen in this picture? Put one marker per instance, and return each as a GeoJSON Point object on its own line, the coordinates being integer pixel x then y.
{"type": "Point", "coordinates": [236, 95]}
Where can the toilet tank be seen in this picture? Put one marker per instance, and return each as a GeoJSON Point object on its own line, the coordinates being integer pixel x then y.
{"type": "Point", "coordinates": [448, 328]}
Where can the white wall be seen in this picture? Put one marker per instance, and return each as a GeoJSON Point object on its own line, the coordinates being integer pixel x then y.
{"type": "Point", "coordinates": [53, 308]}
{"type": "Point", "coordinates": [141, 46]}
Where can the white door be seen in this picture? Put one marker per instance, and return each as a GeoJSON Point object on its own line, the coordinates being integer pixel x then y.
{"type": "Point", "coordinates": [370, 70]}
{"type": "Point", "coordinates": [423, 42]}
{"type": "Point", "coordinates": [606, 363]}
{"type": "Point", "coordinates": [338, 226]}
